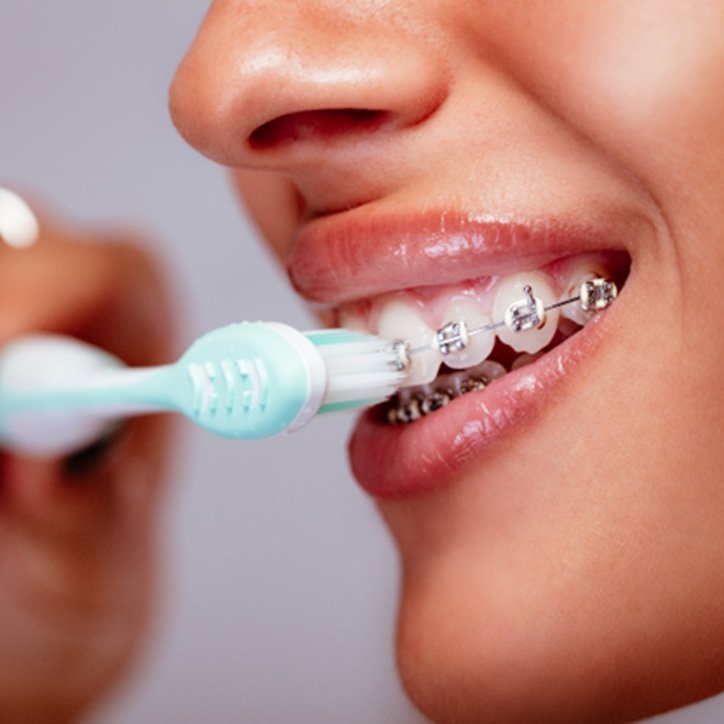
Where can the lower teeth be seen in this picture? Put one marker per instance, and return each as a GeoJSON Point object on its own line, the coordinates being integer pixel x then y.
{"type": "Point", "coordinates": [410, 406]}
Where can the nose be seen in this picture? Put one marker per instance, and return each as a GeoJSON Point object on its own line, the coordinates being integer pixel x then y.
{"type": "Point", "coordinates": [271, 84]}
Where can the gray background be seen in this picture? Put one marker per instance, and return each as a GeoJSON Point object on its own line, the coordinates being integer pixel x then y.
{"type": "Point", "coordinates": [278, 582]}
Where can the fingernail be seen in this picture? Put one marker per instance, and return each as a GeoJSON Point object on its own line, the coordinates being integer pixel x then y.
{"type": "Point", "coordinates": [18, 225]}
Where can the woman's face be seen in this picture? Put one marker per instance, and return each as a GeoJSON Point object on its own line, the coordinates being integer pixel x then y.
{"type": "Point", "coordinates": [560, 530]}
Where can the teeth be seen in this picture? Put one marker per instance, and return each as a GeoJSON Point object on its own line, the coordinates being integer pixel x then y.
{"type": "Point", "coordinates": [479, 345]}
{"type": "Point", "coordinates": [435, 401]}
{"type": "Point", "coordinates": [510, 291]}
{"type": "Point", "coordinates": [400, 320]}
{"type": "Point", "coordinates": [353, 321]}
{"type": "Point", "coordinates": [581, 270]}
{"type": "Point", "coordinates": [524, 359]}
{"type": "Point", "coordinates": [472, 384]}
{"type": "Point", "coordinates": [405, 412]}
{"type": "Point", "coordinates": [412, 404]}
{"type": "Point", "coordinates": [515, 305]}
{"type": "Point", "coordinates": [492, 370]}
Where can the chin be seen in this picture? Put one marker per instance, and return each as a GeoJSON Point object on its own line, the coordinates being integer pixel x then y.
{"type": "Point", "coordinates": [522, 603]}
{"type": "Point", "coordinates": [466, 657]}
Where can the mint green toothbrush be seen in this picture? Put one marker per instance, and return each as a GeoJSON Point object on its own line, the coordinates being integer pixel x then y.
{"type": "Point", "coordinates": [244, 381]}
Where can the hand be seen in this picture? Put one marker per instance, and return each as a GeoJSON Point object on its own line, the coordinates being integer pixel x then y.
{"type": "Point", "coordinates": [77, 535]}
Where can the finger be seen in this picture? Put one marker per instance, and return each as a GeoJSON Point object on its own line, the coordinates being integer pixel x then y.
{"type": "Point", "coordinates": [103, 290]}
{"type": "Point", "coordinates": [77, 535]}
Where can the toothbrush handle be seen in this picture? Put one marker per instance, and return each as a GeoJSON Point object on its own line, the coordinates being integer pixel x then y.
{"type": "Point", "coordinates": [248, 380]}
{"type": "Point", "coordinates": [244, 381]}
{"type": "Point", "coordinates": [58, 394]}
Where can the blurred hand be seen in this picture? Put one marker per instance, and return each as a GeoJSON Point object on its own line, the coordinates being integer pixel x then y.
{"type": "Point", "coordinates": [77, 535]}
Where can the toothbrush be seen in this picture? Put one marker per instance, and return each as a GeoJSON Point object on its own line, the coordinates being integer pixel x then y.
{"type": "Point", "coordinates": [243, 381]}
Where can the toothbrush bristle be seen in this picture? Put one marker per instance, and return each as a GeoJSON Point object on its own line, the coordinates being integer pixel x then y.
{"type": "Point", "coordinates": [363, 370]}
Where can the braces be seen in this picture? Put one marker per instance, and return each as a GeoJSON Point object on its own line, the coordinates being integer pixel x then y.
{"type": "Point", "coordinates": [525, 314]}
{"type": "Point", "coordinates": [423, 403]}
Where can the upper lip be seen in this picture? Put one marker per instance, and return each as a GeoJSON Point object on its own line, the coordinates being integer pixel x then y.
{"type": "Point", "coordinates": [348, 256]}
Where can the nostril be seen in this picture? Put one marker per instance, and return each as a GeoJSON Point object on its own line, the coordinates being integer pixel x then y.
{"type": "Point", "coordinates": [318, 125]}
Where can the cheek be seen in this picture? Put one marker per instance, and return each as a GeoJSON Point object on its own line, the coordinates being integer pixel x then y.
{"type": "Point", "coordinates": [657, 77]}
{"type": "Point", "coordinates": [591, 610]}
{"type": "Point", "coordinates": [641, 81]}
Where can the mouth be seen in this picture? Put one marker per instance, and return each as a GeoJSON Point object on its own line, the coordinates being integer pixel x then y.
{"type": "Point", "coordinates": [459, 400]}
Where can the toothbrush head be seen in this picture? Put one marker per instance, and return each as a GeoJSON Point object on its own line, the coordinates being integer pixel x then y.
{"type": "Point", "coordinates": [250, 380]}
{"type": "Point", "coordinates": [255, 380]}
{"type": "Point", "coordinates": [362, 369]}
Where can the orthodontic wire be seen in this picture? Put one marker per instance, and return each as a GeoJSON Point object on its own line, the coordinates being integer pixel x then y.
{"type": "Point", "coordinates": [497, 325]}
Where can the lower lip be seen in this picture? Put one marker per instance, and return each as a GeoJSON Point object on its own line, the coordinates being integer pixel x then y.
{"type": "Point", "coordinates": [401, 461]}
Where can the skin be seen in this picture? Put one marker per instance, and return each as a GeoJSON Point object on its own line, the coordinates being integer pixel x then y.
{"type": "Point", "coordinates": [573, 572]}
{"type": "Point", "coordinates": [77, 535]}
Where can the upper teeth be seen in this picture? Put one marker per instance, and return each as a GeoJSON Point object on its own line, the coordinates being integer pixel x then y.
{"type": "Point", "coordinates": [400, 319]}
{"type": "Point", "coordinates": [478, 346]}
{"type": "Point", "coordinates": [459, 327]}
{"type": "Point", "coordinates": [597, 294]}
{"type": "Point", "coordinates": [580, 271]}
{"type": "Point", "coordinates": [511, 291]}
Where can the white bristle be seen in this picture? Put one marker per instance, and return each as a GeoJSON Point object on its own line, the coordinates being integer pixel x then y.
{"type": "Point", "coordinates": [367, 370]}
